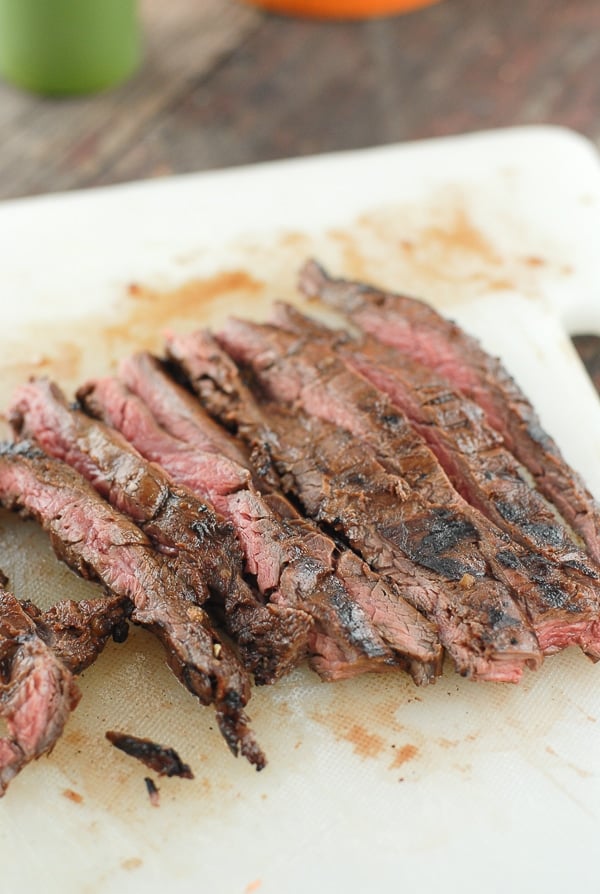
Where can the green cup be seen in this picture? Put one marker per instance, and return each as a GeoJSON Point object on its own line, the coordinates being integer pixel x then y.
{"type": "Point", "coordinates": [68, 46]}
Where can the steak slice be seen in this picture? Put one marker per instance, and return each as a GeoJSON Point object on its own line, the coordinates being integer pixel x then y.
{"type": "Point", "coordinates": [216, 380]}
{"type": "Point", "coordinates": [97, 541]}
{"type": "Point", "coordinates": [201, 548]}
{"type": "Point", "coordinates": [416, 330]}
{"type": "Point", "coordinates": [37, 691]}
{"type": "Point", "coordinates": [339, 482]}
{"type": "Point", "coordinates": [564, 605]}
{"type": "Point", "coordinates": [288, 565]}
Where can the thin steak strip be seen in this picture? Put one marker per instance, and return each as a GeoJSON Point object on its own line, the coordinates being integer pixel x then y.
{"type": "Point", "coordinates": [37, 691]}
{"type": "Point", "coordinates": [416, 330]}
{"type": "Point", "coordinates": [216, 380]}
{"type": "Point", "coordinates": [564, 603]}
{"type": "Point", "coordinates": [339, 482]}
{"type": "Point", "coordinates": [97, 541]}
{"type": "Point", "coordinates": [201, 548]}
{"type": "Point", "coordinates": [287, 565]}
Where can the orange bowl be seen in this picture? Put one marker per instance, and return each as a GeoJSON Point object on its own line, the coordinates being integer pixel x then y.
{"type": "Point", "coordinates": [341, 9]}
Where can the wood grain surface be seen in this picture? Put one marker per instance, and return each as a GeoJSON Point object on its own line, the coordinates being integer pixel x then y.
{"type": "Point", "coordinates": [223, 84]}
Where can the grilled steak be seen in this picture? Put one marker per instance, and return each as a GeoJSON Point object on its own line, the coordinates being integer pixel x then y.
{"type": "Point", "coordinates": [353, 591]}
{"type": "Point", "coordinates": [419, 332]}
{"type": "Point", "coordinates": [37, 691]}
{"type": "Point", "coordinates": [341, 483]}
{"type": "Point", "coordinates": [97, 541]}
{"type": "Point", "coordinates": [564, 602]}
{"type": "Point", "coordinates": [201, 548]}
{"type": "Point", "coordinates": [216, 380]}
{"type": "Point", "coordinates": [290, 561]}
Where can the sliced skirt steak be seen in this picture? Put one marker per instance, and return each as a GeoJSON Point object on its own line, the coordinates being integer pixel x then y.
{"type": "Point", "coordinates": [340, 483]}
{"type": "Point", "coordinates": [289, 558]}
{"type": "Point", "coordinates": [557, 582]}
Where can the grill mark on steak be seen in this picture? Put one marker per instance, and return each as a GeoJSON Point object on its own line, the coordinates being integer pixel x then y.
{"type": "Point", "coordinates": [339, 483]}
{"type": "Point", "coordinates": [287, 563]}
{"type": "Point", "coordinates": [97, 541]}
{"type": "Point", "coordinates": [176, 522]}
{"type": "Point", "coordinates": [419, 332]}
{"type": "Point", "coordinates": [471, 453]}
{"type": "Point", "coordinates": [37, 691]}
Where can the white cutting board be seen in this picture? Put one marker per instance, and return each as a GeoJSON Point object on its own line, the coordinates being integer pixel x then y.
{"type": "Point", "coordinates": [372, 784]}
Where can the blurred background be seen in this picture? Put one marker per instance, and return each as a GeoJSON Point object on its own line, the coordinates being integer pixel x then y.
{"type": "Point", "coordinates": [223, 83]}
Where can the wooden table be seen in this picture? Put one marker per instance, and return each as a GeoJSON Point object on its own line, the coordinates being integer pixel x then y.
{"type": "Point", "coordinates": [225, 84]}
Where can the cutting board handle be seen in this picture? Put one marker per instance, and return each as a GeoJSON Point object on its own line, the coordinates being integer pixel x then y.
{"type": "Point", "coordinates": [583, 318]}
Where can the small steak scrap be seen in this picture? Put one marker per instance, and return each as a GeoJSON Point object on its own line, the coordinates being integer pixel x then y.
{"type": "Point", "coordinates": [164, 761]}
